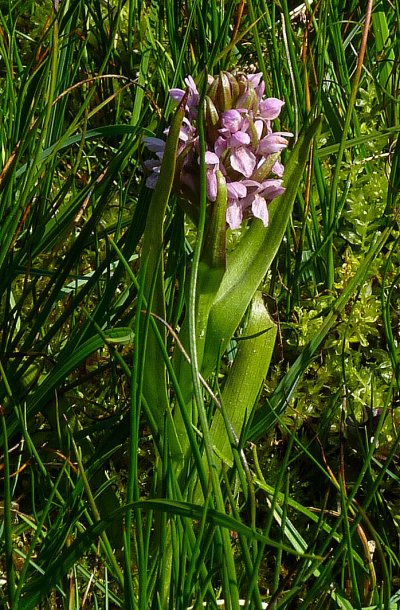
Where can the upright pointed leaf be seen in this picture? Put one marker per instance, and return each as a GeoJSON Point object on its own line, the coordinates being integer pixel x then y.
{"type": "Point", "coordinates": [244, 380]}
{"type": "Point", "coordinates": [154, 370]}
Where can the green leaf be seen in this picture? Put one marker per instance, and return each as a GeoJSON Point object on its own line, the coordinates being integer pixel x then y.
{"type": "Point", "coordinates": [245, 377]}
{"type": "Point", "coordinates": [68, 360]}
{"type": "Point", "coordinates": [109, 131]}
{"type": "Point", "coordinates": [119, 336]}
{"type": "Point", "coordinates": [154, 369]}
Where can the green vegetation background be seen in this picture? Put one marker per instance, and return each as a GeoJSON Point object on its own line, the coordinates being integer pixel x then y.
{"type": "Point", "coordinates": [313, 523]}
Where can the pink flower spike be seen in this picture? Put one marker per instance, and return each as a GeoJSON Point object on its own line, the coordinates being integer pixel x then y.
{"type": "Point", "coordinates": [270, 108]}
{"type": "Point", "coordinates": [243, 161]}
{"type": "Point", "coordinates": [239, 141]}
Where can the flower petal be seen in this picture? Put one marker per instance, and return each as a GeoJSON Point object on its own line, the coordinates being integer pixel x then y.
{"type": "Point", "coordinates": [211, 158]}
{"type": "Point", "coordinates": [255, 79]}
{"type": "Point", "coordinates": [153, 165]}
{"type": "Point", "coordinates": [231, 120]}
{"type": "Point", "coordinates": [234, 215]}
{"type": "Point", "coordinates": [152, 180]}
{"type": "Point", "coordinates": [270, 108]}
{"type": "Point", "coordinates": [271, 189]}
{"type": "Point", "coordinates": [251, 183]}
{"type": "Point", "coordinates": [243, 161]}
{"type": "Point", "coordinates": [236, 190]}
{"type": "Point", "coordinates": [259, 125]}
{"type": "Point", "coordinates": [272, 143]}
{"type": "Point", "coordinates": [239, 139]}
{"type": "Point", "coordinates": [258, 84]}
{"type": "Point", "coordinates": [260, 210]}
{"type": "Point", "coordinates": [176, 94]}
{"type": "Point", "coordinates": [191, 84]}
{"type": "Point", "coordinates": [212, 185]}
{"type": "Point", "coordinates": [220, 145]}
{"type": "Point", "coordinates": [154, 144]}
{"type": "Point", "coordinates": [278, 169]}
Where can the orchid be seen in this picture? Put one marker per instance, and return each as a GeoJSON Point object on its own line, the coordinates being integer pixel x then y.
{"type": "Point", "coordinates": [243, 175]}
{"type": "Point", "coordinates": [240, 143]}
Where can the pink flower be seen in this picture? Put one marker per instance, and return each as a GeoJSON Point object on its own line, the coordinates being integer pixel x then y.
{"type": "Point", "coordinates": [212, 163]}
{"type": "Point", "coordinates": [231, 121]}
{"type": "Point", "coordinates": [243, 160]}
{"type": "Point", "coordinates": [270, 108]}
{"type": "Point", "coordinates": [250, 194]}
{"type": "Point", "coordinates": [273, 143]}
{"type": "Point", "coordinates": [193, 98]}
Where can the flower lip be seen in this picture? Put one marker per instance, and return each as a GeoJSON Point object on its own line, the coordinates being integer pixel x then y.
{"type": "Point", "coordinates": [243, 161]}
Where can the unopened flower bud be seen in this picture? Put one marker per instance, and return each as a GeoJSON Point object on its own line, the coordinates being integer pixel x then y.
{"type": "Point", "coordinates": [211, 120]}
{"type": "Point", "coordinates": [234, 88]}
{"type": "Point", "coordinates": [224, 91]}
{"type": "Point", "coordinates": [248, 97]}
